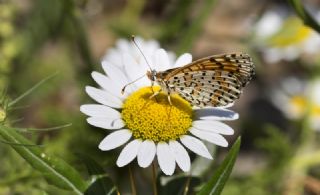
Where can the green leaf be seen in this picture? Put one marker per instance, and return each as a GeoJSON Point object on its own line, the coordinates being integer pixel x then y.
{"type": "Point", "coordinates": [101, 183]}
{"type": "Point", "coordinates": [55, 170]}
{"type": "Point", "coordinates": [219, 179]}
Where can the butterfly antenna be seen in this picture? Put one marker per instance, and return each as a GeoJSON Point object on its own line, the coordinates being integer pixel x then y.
{"type": "Point", "coordinates": [135, 43]}
{"type": "Point", "coordinates": [124, 88]}
{"type": "Point", "coordinates": [137, 46]}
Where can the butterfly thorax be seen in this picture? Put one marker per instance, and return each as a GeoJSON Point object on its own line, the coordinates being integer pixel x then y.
{"type": "Point", "coordinates": [152, 75]}
{"type": "Point", "coordinates": [158, 77]}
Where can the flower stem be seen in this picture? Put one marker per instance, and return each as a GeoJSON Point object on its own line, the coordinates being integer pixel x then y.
{"type": "Point", "coordinates": [186, 188]}
{"type": "Point", "coordinates": [154, 179]}
{"type": "Point", "coordinates": [133, 186]}
{"type": "Point", "coordinates": [304, 15]}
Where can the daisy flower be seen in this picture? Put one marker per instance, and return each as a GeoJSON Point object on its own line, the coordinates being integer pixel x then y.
{"type": "Point", "coordinates": [151, 128]}
{"type": "Point", "coordinates": [282, 37]}
{"type": "Point", "coordinates": [297, 99]}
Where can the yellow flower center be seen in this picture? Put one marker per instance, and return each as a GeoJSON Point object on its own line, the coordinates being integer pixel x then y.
{"type": "Point", "coordinates": [316, 111]}
{"type": "Point", "coordinates": [155, 119]}
{"type": "Point", "coordinates": [300, 106]}
{"type": "Point", "coordinates": [292, 32]}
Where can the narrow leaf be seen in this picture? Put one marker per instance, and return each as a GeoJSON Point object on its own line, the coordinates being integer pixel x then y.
{"type": "Point", "coordinates": [101, 183]}
{"type": "Point", "coordinates": [219, 179]}
{"type": "Point", "coordinates": [42, 129]}
{"type": "Point", "coordinates": [305, 16]}
{"type": "Point", "coordinates": [55, 170]}
{"type": "Point", "coordinates": [13, 102]}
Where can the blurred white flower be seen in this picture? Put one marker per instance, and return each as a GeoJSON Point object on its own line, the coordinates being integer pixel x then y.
{"type": "Point", "coordinates": [124, 46]}
{"type": "Point", "coordinates": [285, 38]}
{"type": "Point", "coordinates": [298, 98]}
{"type": "Point", "coordinates": [268, 24]}
{"type": "Point", "coordinates": [153, 127]}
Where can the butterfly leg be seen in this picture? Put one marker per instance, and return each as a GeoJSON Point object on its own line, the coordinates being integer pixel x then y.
{"type": "Point", "coordinates": [155, 93]}
{"type": "Point", "coordinates": [152, 84]}
{"type": "Point", "coordinates": [169, 98]}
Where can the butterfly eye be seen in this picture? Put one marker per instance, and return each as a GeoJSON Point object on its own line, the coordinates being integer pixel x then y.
{"type": "Point", "coordinates": [149, 74]}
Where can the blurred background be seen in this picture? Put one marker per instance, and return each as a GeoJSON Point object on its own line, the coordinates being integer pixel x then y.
{"type": "Point", "coordinates": [279, 110]}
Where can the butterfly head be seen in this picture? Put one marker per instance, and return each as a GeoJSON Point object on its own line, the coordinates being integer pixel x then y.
{"type": "Point", "coordinates": [152, 75]}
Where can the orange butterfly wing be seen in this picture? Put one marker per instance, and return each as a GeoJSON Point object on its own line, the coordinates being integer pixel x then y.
{"type": "Point", "coordinates": [212, 81]}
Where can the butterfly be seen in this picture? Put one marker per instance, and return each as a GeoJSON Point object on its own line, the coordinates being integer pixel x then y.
{"type": "Point", "coordinates": [215, 81]}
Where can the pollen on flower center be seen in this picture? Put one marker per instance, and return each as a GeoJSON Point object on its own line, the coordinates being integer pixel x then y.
{"type": "Point", "coordinates": [155, 119]}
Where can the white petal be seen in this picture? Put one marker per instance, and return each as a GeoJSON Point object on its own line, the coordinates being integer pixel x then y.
{"type": "Point", "coordinates": [151, 46]}
{"type": "Point", "coordinates": [128, 153]}
{"type": "Point", "coordinates": [106, 83]}
{"type": "Point", "coordinates": [292, 52]}
{"type": "Point", "coordinates": [172, 58]}
{"type": "Point", "coordinates": [183, 60]}
{"type": "Point", "coordinates": [195, 145]}
{"type": "Point", "coordinates": [101, 79]}
{"type": "Point", "coordinates": [115, 139]}
{"type": "Point", "coordinates": [147, 47]}
{"type": "Point", "coordinates": [114, 57]}
{"type": "Point", "coordinates": [103, 97]}
{"type": "Point", "coordinates": [314, 122]}
{"type": "Point", "coordinates": [97, 110]}
{"type": "Point", "coordinates": [272, 55]}
{"type": "Point", "coordinates": [181, 155]}
{"type": "Point", "coordinates": [123, 45]}
{"type": "Point", "coordinates": [312, 44]}
{"type": "Point", "coordinates": [106, 123]}
{"type": "Point", "coordinates": [213, 126]}
{"type": "Point", "coordinates": [116, 75]}
{"type": "Point", "coordinates": [269, 24]}
{"type": "Point", "coordinates": [165, 158]}
{"type": "Point", "coordinates": [134, 71]}
{"type": "Point", "coordinates": [146, 153]}
{"type": "Point", "coordinates": [162, 60]}
{"type": "Point", "coordinates": [216, 114]}
{"type": "Point", "coordinates": [226, 106]}
{"type": "Point", "coordinates": [210, 137]}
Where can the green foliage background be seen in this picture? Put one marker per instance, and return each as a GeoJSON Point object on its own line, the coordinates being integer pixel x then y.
{"type": "Point", "coordinates": [69, 37]}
